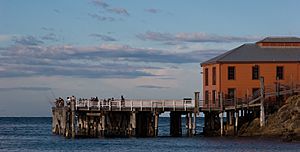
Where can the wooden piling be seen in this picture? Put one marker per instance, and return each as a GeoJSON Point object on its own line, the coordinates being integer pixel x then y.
{"type": "Point", "coordinates": [132, 124]}
{"type": "Point", "coordinates": [222, 116]}
{"type": "Point", "coordinates": [103, 124]}
{"type": "Point", "coordinates": [236, 122]}
{"type": "Point", "coordinates": [73, 117]}
{"type": "Point", "coordinates": [262, 109]}
{"type": "Point", "coordinates": [175, 124]}
{"type": "Point", "coordinates": [231, 117]}
{"type": "Point", "coordinates": [156, 116]}
{"type": "Point", "coordinates": [189, 124]}
{"type": "Point", "coordinates": [194, 124]}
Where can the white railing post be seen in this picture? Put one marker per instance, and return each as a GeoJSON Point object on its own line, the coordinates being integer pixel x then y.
{"type": "Point", "coordinates": [109, 105]}
{"type": "Point", "coordinates": [120, 105]}
{"type": "Point", "coordinates": [89, 104]}
{"type": "Point", "coordinates": [76, 103]}
{"type": "Point", "coordinates": [185, 105]}
{"type": "Point", "coordinates": [151, 105]}
{"type": "Point", "coordinates": [131, 105]}
{"type": "Point", "coordinates": [98, 104]}
{"type": "Point", "coordinates": [164, 102]}
{"type": "Point", "coordinates": [141, 102]}
{"type": "Point", "coordinates": [173, 105]}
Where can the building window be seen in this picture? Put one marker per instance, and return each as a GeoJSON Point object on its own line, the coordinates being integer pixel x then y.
{"type": "Point", "coordinates": [279, 72]}
{"type": "Point", "coordinates": [231, 93]}
{"type": "Point", "coordinates": [214, 96]}
{"type": "Point", "coordinates": [231, 73]}
{"type": "Point", "coordinates": [206, 76]}
{"type": "Point", "coordinates": [206, 98]}
{"type": "Point", "coordinates": [214, 76]}
{"type": "Point", "coordinates": [255, 72]}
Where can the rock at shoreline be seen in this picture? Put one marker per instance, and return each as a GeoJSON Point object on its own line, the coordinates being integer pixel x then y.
{"type": "Point", "coordinates": [284, 123]}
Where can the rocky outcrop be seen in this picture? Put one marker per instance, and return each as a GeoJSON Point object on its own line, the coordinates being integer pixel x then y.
{"type": "Point", "coordinates": [284, 123]}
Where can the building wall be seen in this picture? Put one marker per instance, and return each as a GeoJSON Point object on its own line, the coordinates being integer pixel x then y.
{"type": "Point", "coordinates": [243, 82]}
{"type": "Point", "coordinates": [210, 87]}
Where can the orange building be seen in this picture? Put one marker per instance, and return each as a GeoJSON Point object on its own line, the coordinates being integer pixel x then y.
{"type": "Point", "coordinates": [236, 73]}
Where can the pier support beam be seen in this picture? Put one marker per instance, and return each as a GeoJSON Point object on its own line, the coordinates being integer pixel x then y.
{"type": "Point", "coordinates": [156, 116]}
{"type": "Point", "coordinates": [222, 125]}
{"type": "Point", "coordinates": [175, 124]}
{"type": "Point", "coordinates": [194, 123]}
{"type": "Point", "coordinates": [262, 108]}
{"type": "Point", "coordinates": [236, 122]}
{"type": "Point", "coordinates": [132, 127]}
{"type": "Point", "coordinates": [73, 117]}
{"type": "Point", "coordinates": [59, 120]}
{"type": "Point", "coordinates": [227, 118]}
{"type": "Point", "coordinates": [103, 124]}
{"type": "Point", "coordinates": [231, 117]}
{"type": "Point", "coordinates": [222, 116]}
{"type": "Point", "coordinates": [189, 124]}
{"type": "Point", "coordinates": [117, 123]}
{"type": "Point", "coordinates": [211, 123]}
{"type": "Point", "coordinates": [145, 124]}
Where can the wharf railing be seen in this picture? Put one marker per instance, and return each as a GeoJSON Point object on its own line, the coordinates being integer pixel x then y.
{"type": "Point", "coordinates": [133, 104]}
{"type": "Point", "coordinates": [269, 92]}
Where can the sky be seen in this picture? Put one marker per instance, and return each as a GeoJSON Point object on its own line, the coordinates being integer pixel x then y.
{"type": "Point", "coordinates": [141, 49]}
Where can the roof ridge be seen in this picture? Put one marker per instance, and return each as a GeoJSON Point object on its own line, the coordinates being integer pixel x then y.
{"type": "Point", "coordinates": [230, 52]}
{"type": "Point", "coordinates": [280, 39]}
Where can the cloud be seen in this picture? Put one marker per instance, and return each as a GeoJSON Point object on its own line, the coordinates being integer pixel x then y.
{"type": "Point", "coordinates": [194, 37]}
{"type": "Point", "coordinates": [30, 88]}
{"type": "Point", "coordinates": [107, 8]}
{"type": "Point", "coordinates": [103, 37]}
{"type": "Point", "coordinates": [102, 18]}
{"type": "Point", "coordinates": [111, 52]}
{"type": "Point", "coordinates": [27, 40]}
{"type": "Point", "coordinates": [152, 10]}
{"type": "Point", "coordinates": [48, 29]}
{"type": "Point", "coordinates": [56, 11]}
{"type": "Point", "coordinates": [172, 43]}
{"type": "Point", "coordinates": [100, 61]}
{"type": "Point", "coordinates": [121, 11]}
{"type": "Point", "coordinates": [100, 3]}
{"type": "Point", "coordinates": [152, 87]}
{"type": "Point", "coordinates": [156, 36]}
{"type": "Point", "coordinates": [5, 38]}
{"type": "Point", "coordinates": [26, 71]}
{"type": "Point", "coordinates": [50, 37]}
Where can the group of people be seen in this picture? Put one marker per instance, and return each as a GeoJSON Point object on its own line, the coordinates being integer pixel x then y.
{"type": "Point", "coordinates": [107, 102]}
{"type": "Point", "coordinates": [61, 103]}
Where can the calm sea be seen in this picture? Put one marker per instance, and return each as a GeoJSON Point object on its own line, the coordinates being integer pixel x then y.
{"type": "Point", "coordinates": [34, 134]}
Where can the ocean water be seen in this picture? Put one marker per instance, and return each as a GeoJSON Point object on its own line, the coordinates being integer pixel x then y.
{"type": "Point", "coordinates": [34, 134]}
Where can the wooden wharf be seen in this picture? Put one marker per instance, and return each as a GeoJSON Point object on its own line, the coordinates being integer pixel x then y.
{"type": "Point", "coordinates": [140, 118]}
{"type": "Point", "coordinates": [122, 118]}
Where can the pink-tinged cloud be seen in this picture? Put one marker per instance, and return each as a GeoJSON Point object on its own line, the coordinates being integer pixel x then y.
{"type": "Point", "coordinates": [153, 10]}
{"type": "Point", "coordinates": [100, 3]}
{"type": "Point", "coordinates": [120, 11]}
{"type": "Point", "coordinates": [194, 37]}
{"type": "Point", "coordinates": [102, 18]}
{"type": "Point", "coordinates": [103, 37]}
